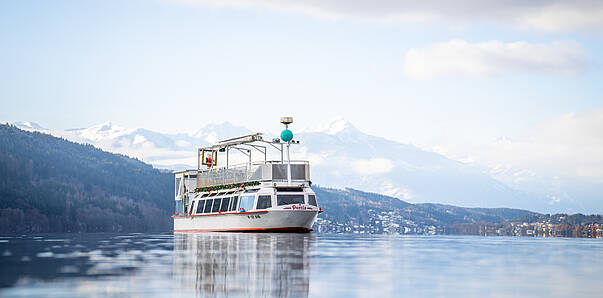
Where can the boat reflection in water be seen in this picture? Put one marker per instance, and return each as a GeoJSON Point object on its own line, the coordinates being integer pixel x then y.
{"type": "Point", "coordinates": [243, 264]}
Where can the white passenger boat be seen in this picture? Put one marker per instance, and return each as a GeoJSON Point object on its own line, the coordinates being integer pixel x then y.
{"type": "Point", "coordinates": [256, 196]}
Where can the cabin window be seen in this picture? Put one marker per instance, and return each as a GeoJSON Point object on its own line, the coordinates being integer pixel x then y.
{"type": "Point", "coordinates": [207, 208]}
{"type": "Point", "coordinates": [264, 202]}
{"type": "Point", "coordinates": [312, 200]}
{"type": "Point", "coordinates": [200, 206]}
{"type": "Point", "coordinates": [289, 199]}
{"type": "Point", "coordinates": [235, 201]}
{"type": "Point", "coordinates": [177, 188]}
{"type": "Point", "coordinates": [225, 203]}
{"type": "Point", "coordinates": [247, 203]}
{"type": "Point", "coordinates": [216, 206]}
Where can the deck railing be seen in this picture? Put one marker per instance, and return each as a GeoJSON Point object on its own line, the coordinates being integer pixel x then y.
{"type": "Point", "coordinates": [258, 171]}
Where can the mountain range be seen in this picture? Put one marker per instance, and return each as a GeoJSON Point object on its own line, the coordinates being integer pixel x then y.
{"type": "Point", "coordinates": [341, 156]}
{"type": "Point", "coordinates": [50, 184]}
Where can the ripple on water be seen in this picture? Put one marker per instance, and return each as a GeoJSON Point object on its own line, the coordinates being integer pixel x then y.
{"type": "Point", "coordinates": [46, 254]}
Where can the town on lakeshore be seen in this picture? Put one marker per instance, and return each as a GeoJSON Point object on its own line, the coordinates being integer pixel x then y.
{"type": "Point", "coordinates": [393, 222]}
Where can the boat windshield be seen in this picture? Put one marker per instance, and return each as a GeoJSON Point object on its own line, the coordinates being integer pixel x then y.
{"type": "Point", "coordinates": [289, 199]}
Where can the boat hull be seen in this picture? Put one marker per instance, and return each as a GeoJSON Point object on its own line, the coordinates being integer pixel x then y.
{"type": "Point", "coordinates": [270, 220]}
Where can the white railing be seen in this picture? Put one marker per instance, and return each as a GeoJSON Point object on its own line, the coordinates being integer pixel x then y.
{"type": "Point", "coordinates": [257, 171]}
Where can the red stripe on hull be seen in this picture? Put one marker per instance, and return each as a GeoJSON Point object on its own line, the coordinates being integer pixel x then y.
{"type": "Point", "coordinates": [285, 229]}
{"type": "Point", "coordinates": [223, 213]}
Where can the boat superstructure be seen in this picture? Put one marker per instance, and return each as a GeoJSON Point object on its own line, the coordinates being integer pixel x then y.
{"type": "Point", "coordinates": [264, 195]}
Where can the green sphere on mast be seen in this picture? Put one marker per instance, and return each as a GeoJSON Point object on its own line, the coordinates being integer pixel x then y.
{"type": "Point", "coordinates": [286, 135]}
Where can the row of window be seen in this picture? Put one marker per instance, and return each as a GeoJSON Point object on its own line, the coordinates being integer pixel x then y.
{"type": "Point", "coordinates": [218, 204]}
{"type": "Point", "coordinates": [246, 203]}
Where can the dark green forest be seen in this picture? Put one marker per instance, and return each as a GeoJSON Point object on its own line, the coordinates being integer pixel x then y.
{"type": "Point", "coordinates": [49, 184]}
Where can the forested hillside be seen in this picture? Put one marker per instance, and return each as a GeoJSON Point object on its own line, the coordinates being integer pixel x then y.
{"type": "Point", "coordinates": [349, 205]}
{"type": "Point", "coordinates": [48, 184]}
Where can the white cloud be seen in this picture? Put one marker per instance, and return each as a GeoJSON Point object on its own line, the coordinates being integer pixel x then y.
{"type": "Point", "coordinates": [568, 146]}
{"type": "Point", "coordinates": [553, 15]}
{"type": "Point", "coordinates": [571, 16]}
{"type": "Point", "coordinates": [459, 57]}
{"type": "Point", "coordinates": [372, 166]}
{"type": "Point", "coordinates": [303, 153]}
{"type": "Point", "coordinates": [559, 160]}
{"type": "Point", "coordinates": [183, 144]}
{"type": "Point", "coordinates": [403, 192]}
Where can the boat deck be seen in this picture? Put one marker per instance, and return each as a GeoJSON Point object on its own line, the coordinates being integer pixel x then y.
{"type": "Point", "coordinates": [248, 174]}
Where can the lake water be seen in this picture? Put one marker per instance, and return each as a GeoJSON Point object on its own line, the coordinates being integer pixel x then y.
{"type": "Point", "coordinates": [315, 265]}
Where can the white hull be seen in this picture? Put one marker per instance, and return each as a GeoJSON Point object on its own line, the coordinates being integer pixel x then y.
{"type": "Point", "coordinates": [271, 219]}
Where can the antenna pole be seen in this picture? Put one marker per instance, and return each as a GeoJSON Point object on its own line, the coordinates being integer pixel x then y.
{"type": "Point", "coordinates": [288, 164]}
{"type": "Point", "coordinates": [287, 136]}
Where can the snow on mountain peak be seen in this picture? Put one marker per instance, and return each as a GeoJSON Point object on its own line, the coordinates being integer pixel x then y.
{"type": "Point", "coordinates": [106, 127]}
{"type": "Point", "coordinates": [106, 130]}
{"type": "Point", "coordinates": [332, 127]}
{"type": "Point", "coordinates": [28, 125]}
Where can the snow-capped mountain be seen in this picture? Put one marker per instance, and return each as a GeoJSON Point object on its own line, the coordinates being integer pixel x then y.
{"type": "Point", "coordinates": [30, 126]}
{"type": "Point", "coordinates": [332, 127]}
{"type": "Point", "coordinates": [341, 156]}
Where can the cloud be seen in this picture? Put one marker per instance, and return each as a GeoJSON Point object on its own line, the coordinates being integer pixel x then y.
{"type": "Point", "coordinates": [559, 160]}
{"type": "Point", "coordinates": [573, 141]}
{"type": "Point", "coordinates": [570, 16]}
{"type": "Point", "coordinates": [459, 57]}
{"type": "Point", "coordinates": [403, 192]}
{"type": "Point", "coordinates": [552, 15]}
{"type": "Point", "coordinates": [570, 145]}
{"type": "Point", "coordinates": [372, 166]}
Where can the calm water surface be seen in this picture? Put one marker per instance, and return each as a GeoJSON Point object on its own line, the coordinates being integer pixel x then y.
{"type": "Point", "coordinates": [241, 265]}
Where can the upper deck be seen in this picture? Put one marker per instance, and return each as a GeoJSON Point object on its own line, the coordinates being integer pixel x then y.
{"type": "Point", "coordinates": [276, 172]}
{"type": "Point", "coordinates": [264, 171]}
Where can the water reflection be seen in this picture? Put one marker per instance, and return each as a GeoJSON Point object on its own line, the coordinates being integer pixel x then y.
{"type": "Point", "coordinates": [243, 264]}
{"type": "Point", "coordinates": [316, 265]}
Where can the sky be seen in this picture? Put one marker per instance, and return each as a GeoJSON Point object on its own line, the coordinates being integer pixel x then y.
{"type": "Point", "coordinates": [503, 84]}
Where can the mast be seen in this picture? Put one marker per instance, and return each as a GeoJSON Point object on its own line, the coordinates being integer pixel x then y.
{"type": "Point", "coordinates": [287, 136]}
